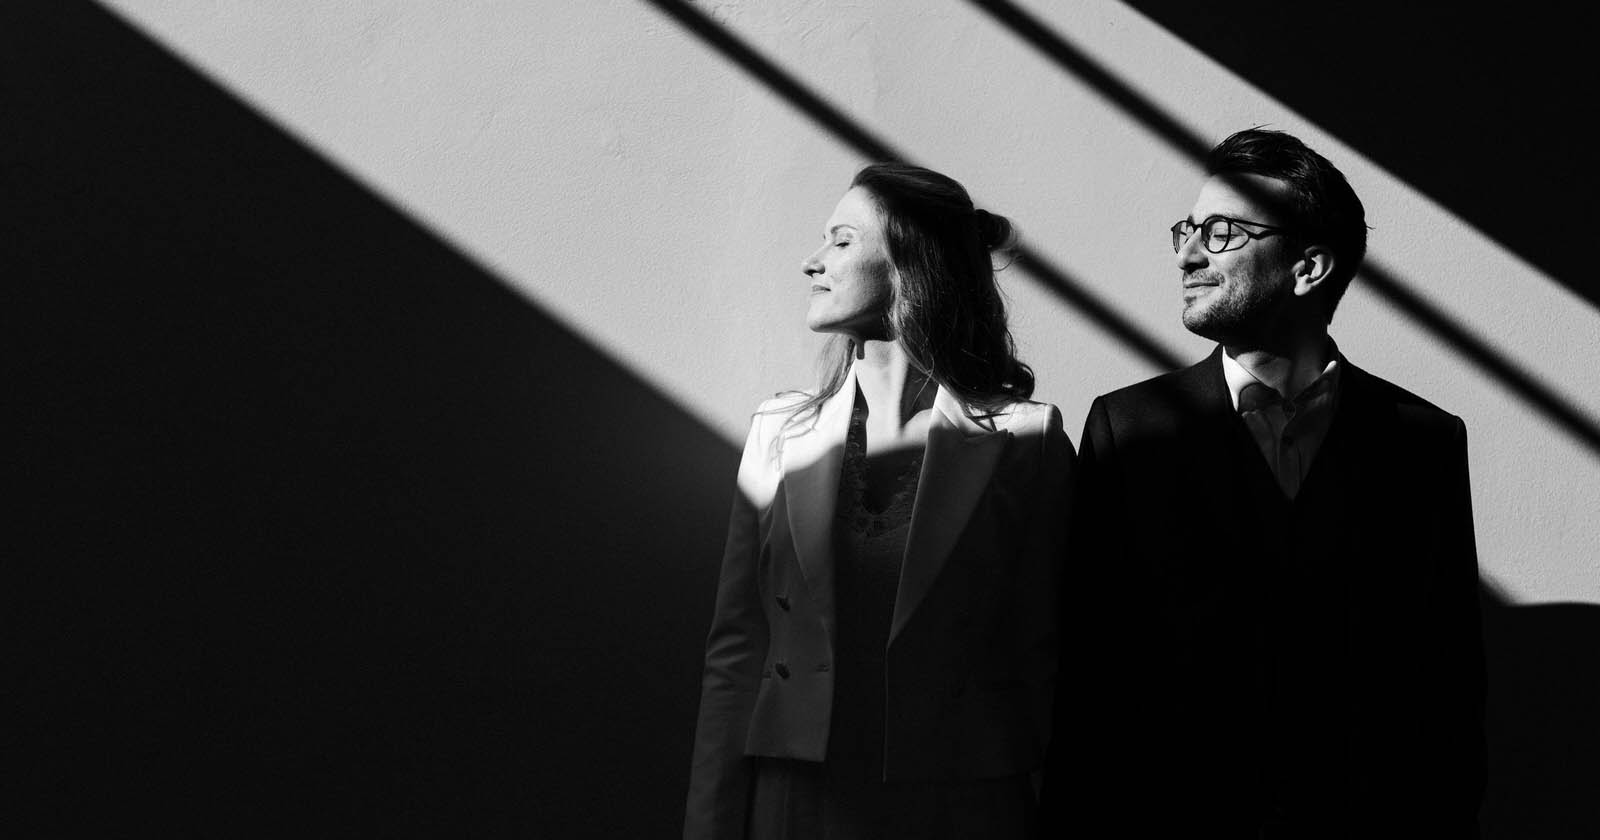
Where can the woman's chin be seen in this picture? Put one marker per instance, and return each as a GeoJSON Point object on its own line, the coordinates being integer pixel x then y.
{"type": "Point", "coordinates": [820, 323]}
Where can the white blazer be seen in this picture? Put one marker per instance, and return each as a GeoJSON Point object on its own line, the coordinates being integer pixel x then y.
{"type": "Point", "coordinates": [972, 652]}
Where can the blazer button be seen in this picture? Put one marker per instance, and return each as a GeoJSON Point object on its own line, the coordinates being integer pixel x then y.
{"type": "Point", "coordinates": [782, 669]}
{"type": "Point", "coordinates": [783, 602]}
{"type": "Point", "coordinates": [958, 690]}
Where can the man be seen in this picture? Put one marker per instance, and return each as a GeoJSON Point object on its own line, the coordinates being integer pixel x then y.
{"type": "Point", "coordinates": [1279, 593]}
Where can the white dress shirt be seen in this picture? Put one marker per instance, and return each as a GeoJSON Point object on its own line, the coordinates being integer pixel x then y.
{"type": "Point", "coordinates": [1287, 431]}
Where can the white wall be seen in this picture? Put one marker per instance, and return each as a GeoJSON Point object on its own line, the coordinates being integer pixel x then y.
{"type": "Point", "coordinates": [658, 199]}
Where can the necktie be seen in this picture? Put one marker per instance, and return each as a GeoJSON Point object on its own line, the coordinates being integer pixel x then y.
{"type": "Point", "coordinates": [1257, 396]}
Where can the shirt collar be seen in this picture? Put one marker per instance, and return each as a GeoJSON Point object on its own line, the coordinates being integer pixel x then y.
{"type": "Point", "coordinates": [1239, 378]}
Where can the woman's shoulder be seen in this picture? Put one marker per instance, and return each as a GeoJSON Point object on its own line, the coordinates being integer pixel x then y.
{"type": "Point", "coordinates": [774, 415]}
{"type": "Point", "coordinates": [784, 402]}
{"type": "Point", "coordinates": [1021, 415]}
{"type": "Point", "coordinates": [1038, 428]}
{"type": "Point", "coordinates": [760, 467]}
{"type": "Point", "coordinates": [775, 411]}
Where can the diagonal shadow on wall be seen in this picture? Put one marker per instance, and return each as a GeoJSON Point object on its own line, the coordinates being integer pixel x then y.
{"type": "Point", "coordinates": [1447, 330]}
{"type": "Point", "coordinates": [1069, 290]}
{"type": "Point", "coordinates": [1474, 107]}
{"type": "Point", "coordinates": [325, 531]}
{"type": "Point", "coordinates": [1374, 276]}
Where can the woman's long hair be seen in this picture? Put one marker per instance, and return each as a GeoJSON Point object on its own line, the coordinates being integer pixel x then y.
{"type": "Point", "coordinates": [947, 312]}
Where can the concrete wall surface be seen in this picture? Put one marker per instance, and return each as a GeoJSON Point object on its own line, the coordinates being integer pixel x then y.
{"type": "Point", "coordinates": [422, 338]}
{"type": "Point", "coordinates": [651, 194]}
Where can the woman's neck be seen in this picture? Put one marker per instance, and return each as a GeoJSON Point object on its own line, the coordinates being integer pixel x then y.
{"type": "Point", "coordinates": [896, 390]}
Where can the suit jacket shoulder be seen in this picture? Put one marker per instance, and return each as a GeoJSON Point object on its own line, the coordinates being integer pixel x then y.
{"type": "Point", "coordinates": [1411, 410]}
{"type": "Point", "coordinates": [1157, 409]}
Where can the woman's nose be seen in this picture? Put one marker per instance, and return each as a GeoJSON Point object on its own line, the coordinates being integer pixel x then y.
{"type": "Point", "coordinates": [811, 265]}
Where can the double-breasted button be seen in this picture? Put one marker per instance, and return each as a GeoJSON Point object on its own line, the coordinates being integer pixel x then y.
{"type": "Point", "coordinates": [783, 602]}
{"type": "Point", "coordinates": [782, 669]}
{"type": "Point", "coordinates": [957, 690]}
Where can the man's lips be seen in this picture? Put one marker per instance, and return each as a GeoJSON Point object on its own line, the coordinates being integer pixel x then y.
{"type": "Point", "coordinates": [1200, 282]}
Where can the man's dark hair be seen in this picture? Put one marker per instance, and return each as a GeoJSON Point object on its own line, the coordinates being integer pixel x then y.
{"type": "Point", "coordinates": [1322, 207]}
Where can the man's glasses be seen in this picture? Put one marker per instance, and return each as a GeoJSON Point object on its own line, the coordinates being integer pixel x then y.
{"type": "Point", "coordinates": [1220, 233]}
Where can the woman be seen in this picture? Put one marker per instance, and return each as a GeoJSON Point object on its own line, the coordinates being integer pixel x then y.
{"type": "Point", "coordinates": [883, 651]}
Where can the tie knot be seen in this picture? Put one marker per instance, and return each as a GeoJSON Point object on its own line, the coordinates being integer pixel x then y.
{"type": "Point", "coordinates": [1257, 396]}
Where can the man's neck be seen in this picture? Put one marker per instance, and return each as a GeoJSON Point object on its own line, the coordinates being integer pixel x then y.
{"type": "Point", "coordinates": [1288, 366]}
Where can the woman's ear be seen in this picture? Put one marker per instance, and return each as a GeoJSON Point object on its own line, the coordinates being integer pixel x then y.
{"type": "Point", "coordinates": [1315, 267]}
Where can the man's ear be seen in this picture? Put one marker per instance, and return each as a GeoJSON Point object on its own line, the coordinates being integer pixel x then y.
{"type": "Point", "coordinates": [1315, 266]}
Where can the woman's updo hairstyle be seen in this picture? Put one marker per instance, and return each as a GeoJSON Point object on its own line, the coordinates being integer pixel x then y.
{"type": "Point", "coordinates": [947, 313]}
{"type": "Point", "coordinates": [995, 232]}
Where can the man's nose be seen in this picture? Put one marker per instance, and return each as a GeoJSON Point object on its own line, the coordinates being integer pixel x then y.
{"type": "Point", "coordinates": [1191, 255]}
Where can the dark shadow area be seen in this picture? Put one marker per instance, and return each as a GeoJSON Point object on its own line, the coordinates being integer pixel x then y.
{"type": "Point", "coordinates": [1543, 727]}
{"type": "Point", "coordinates": [1476, 108]}
{"type": "Point", "coordinates": [1421, 312]}
{"type": "Point", "coordinates": [319, 529]}
{"type": "Point", "coordinates": [1071, 291]}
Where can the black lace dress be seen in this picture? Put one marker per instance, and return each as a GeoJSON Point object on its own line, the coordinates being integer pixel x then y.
{"type": "Point", "coordinates": [845, 797]}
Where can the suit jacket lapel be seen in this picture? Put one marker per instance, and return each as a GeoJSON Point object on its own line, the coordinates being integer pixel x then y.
{"type": "Point", "coordinates": [1223, 453]}
{"type": "Point", "coordinates": [811, 464]}
{"type": "Point", "coordinates": [960, 457]}
{"type": "Point", "coordinates": [1354, 440]}
{"type": "Point", "coordinates": [1227, 456]}
{"type": "Point", "coordinates": [1223, 472]}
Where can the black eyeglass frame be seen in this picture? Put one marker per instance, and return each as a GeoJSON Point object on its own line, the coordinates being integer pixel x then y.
{"type": "Point", "coordinates": [1179, 236]}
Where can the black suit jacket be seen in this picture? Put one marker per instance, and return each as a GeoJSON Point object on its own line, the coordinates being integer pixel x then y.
{"type": "Point", "coordinates": [1248, 666]}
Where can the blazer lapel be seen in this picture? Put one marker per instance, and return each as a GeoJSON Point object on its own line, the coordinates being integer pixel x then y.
{"type": "Point", "coordinates": [960, 457]}
{"type": "Point", "coordinates": [811, 464]}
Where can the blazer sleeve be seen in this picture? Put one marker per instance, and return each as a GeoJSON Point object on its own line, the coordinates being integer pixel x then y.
{"type": "Point", "coordinates": [1461, 760]}
{"type": "Point", "coordinates": [1096, 712]}
{"type": "Point", "coordinates": [736, 647]}
{"type": "Point", "coordinates": [1046, 549]}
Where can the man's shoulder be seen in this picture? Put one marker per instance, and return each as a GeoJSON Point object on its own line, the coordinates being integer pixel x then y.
{"type": "Point", "coordinates": [1159, 386]}
{"type": "Point", "coordinates": [1173, 392]}
{"type": "Point", "coordinates": [1409, 408]}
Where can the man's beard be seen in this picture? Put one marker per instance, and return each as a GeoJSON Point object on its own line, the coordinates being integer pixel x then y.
{"type": "Point", "coordinates": [1234, 309]}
